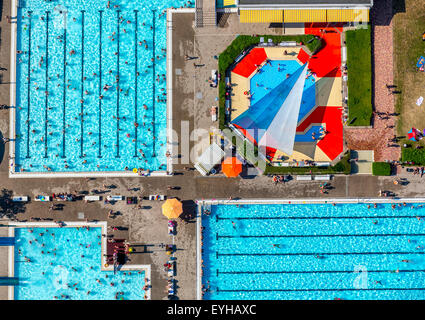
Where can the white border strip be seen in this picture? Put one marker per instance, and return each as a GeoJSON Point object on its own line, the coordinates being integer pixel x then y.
{"type": "Point", "coordinates": [12, 101]}
{"type": "Point", "coordinates": [311, 201]}
{"type": "Point", "coordinates": [169, 85]}
{"type": "Point", "coordinates": [102, 174]}
{"type": "Point", "coordinates": [199, 254]}
{"type": "Point", "coordinates": [72, 224]}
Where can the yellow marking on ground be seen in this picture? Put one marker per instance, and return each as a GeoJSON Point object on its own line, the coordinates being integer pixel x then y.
{"type": "Point", "coordinates": [328, 92]}
{"type": "Point", "coordinates": [296, 156]}
{"type": "Point", "coordinates": [239, 101]}
{"type": "Point", "coordinates": [319, 155]}
{"type": "Point", "coordinates": [278, 53]}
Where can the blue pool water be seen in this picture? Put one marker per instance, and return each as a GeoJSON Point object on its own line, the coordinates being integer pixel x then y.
{"type": "Point", "coordinates": [72, 51]}
{"type": "Point", "coordinates": [314, 251]}
{"type": "Point", "coordinates": [64, 250]}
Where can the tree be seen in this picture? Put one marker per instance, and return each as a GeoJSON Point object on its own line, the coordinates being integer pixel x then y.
{"type": "Point", "coordinates": [8, 208]}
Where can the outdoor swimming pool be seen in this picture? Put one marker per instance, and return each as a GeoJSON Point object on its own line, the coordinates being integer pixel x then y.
{"type": "Point", "coordinates": [91, 85]}
{"type": "Point", "coordinates": [69, 267]}
{"type": "Point", "coordinates": [314, 251]}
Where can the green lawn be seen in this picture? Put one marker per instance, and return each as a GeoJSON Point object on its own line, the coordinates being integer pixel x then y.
{"type": "Point", "coordinates": [359, 62]}
{"type": "Point", "coordinates": [416, 156]}
{"type": "Point", "coordinates": [381, 169]}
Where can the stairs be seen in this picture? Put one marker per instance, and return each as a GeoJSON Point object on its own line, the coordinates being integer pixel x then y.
{"type": "Point", "coordinates": [209, 18]}
{"type": "Point", "coordinates": [205, 14]}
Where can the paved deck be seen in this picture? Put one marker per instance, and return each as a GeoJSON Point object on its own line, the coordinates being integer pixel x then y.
{"type": "Point", "coordinates": [362, 162]}
{"type": "Point", "coordinates": [378, 138]}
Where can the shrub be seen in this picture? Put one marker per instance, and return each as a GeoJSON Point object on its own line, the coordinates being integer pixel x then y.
{"type": "Point", "coordinates": [413, 155]}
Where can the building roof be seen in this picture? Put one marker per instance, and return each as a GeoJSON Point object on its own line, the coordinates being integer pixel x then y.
{"type": "Point", "coordinates": [209, 158]}
{"type": "Point", "coordinates": [306, 3]}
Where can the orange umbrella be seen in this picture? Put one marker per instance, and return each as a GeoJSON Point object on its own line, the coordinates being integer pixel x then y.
{"type": "Point", "coordinates": [172, 208]}
{"type": "Point", "coordinates": [231, 167]}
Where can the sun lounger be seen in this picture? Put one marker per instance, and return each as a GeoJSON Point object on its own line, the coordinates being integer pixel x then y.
{"type": "Point", "coordinates": [20, 199]}
{"type": "Point", "coordinates": [213, 113]}
{"type": "Point", "coordinates": [115, 198]}
{"type": "Point", "coordinates": [171, 269]}
{"type": "Point", "coordinates": [92, 198]}
{"type": "Point", "coordinates": [227, 111]}
{"type": "Point", "coordinates": [344, 54]}
{"type": "Point", "coordinates": [171, 228]}
{"type": "Point", "coordinates": [214, 78]}
{"type": "Point", "coordinates": [325, 177]}
{"type": "Point", "coordinates": [213, 75]}
{"type": "Point", "coordinates": [159, 197]}
{"type": "Point", "coordinates": [42, 198]}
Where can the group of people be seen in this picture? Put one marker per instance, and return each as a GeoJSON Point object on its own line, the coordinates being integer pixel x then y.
{"type": "Point", "coordinates": [322, 132]}
{"type": "Point", "coordinates": [281, 178]}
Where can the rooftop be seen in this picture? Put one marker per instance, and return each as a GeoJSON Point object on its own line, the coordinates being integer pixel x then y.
{"type": "Point", "coordinates": [320, 3]}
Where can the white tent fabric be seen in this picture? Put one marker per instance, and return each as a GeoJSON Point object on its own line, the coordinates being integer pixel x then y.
{"type": "Point", "coordinates": [281, 132]}
{"type": "Point", "coordinates": [209, 158]}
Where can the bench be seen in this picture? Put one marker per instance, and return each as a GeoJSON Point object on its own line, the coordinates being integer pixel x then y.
{"type": "Point", "coordinates": [92, 198]}
{"type": "Point", "coordinates": [325, 177]}
{"type": "Point", "coordinates": [159, 197]}
{"type": "Point", "coordinates": [288, 44]}
{"type": "Point", "coordinates": [227, 107]}
{"type": "Point", "coordinates": [115, 198]}
{"type": "Point", "coordinates": [304, 178]}
{"type": "Point", "coordinates": [323, 164]}
{"type": "Point", "coordinates": [20, 199]}
{"type": "Point", "coordinates": [42, 198]}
